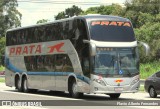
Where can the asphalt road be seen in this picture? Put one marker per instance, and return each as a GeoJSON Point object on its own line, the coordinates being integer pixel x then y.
{"type": "Point", "coordinates": [63, 101]}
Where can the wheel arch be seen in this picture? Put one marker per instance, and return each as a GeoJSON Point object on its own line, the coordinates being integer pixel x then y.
{"type": "Point", "coordinates": [71, 77]}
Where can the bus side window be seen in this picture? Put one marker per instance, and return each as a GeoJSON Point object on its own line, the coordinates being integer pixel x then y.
{"type": "Point", "coordinates": [53, 33]}
{"type": "Point", "coordinates": [48, 33]}
{"type": "Point", "coordinates": [67, 64]}
{"type": "Point", "coordinates": [24, 35]}
{"type": "Point", "coordinates": [8, 42]}
{"type": "Point", "coordinates": [70, 29]}
{"type": "Point", "coordinates": [59, 63]}
{"type": "Point", "coordinates": [14, 38]}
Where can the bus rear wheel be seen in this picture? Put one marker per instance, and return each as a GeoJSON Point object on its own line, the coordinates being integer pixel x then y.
{"type": "Point", "coordinates": [19, 85]}
{"type": "Point", "coordinates": [25, 85]}
{"type": "Point", "coordinates": [115, 95]}
{"type": "Point", "coordinates": [73, 90]}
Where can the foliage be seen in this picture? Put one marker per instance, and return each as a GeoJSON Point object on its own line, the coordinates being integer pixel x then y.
{"type": "Point", "coordinates": [113, 9]}
{"type": "Point", "coordinates": [149, 68]}
{"type": "Point", "coordinates": [9, 18]}
{"type": "Point", "coordinates": [69, 12]}
{"type": "Point", "coordinates": [2, 80]}
{"type": "Point", "coordinates": [9, 15]}
{"type": "Point", "coordinates": [42, 21]}
{"type": "Point", "coordinates": [149, 33]}
{"type": "Point", "coordinates": [137, 10]}
{"type": "Point", "coordinates": [2, 45]}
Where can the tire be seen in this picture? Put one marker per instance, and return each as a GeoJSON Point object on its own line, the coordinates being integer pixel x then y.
{"type": "Point", "coordinates": [114, 96]}
{"type": "Point", "coordinates": [19, 85]}
{"type": "Point", "coordinates": [73, 90]}
{"type": "Point", "coordinates": [152, 92]}
{"type": "Point", "coordinates": [25, 85]}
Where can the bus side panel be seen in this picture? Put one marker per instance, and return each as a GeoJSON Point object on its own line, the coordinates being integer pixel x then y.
{"type": "Point", "coordinates": [48, 82]}
{"type": "Point", "coordinates": [35, 81]}
{"type": "Point", "coordinates": [9, 78]}
{"type": "Point", "coordinates": [61, 83]}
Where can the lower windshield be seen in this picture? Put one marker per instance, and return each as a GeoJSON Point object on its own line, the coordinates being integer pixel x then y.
{"type": "Point", "coordinates": [117, 62]}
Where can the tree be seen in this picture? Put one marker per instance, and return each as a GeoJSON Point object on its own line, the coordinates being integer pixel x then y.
{"type": "Point", "coordinates": [9, 16]}
{"type": "Point", "coordinates": [149, 33]}
{"type": "Point", "coordinates": [42, 21]}
{"type": "Point", "coordinates": [145, 6]}
{"type": "Point", "coordinates": [69, 12]}
{"type": "Point", "coordinates": [113, 9]}
{"type": "Point", "coordinates": [135, 9]}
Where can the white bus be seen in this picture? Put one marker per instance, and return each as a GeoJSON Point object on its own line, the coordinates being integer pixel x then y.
{"type": "Point", "coordinates": [83, 54]}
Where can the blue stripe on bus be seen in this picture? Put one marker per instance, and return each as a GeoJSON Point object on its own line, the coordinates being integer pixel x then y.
{"type": "Point", "coordinates": [11, 67]}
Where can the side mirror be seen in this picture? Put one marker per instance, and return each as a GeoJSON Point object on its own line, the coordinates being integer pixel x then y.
{"type": "Point", "coordinates": [92, 47]}
{"type": "Point", "coordinates": [146, 47]}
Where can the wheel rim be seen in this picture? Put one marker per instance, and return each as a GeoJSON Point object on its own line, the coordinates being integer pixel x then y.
{"type": "Point", "coordinates": [152, 92]}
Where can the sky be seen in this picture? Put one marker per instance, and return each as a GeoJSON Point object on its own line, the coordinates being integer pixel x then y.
{"type": "Point", "coordinates": [34, 10]}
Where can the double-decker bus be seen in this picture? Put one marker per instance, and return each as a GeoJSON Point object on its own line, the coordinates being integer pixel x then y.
{"type": "Point", "coordinates": [82, 54]}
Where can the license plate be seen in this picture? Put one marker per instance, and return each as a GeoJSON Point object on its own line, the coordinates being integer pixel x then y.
{"type": "Point", "coordinates": [118, 89]}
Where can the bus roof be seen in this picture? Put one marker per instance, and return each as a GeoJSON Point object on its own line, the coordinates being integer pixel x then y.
{"type": "Point", "coordinates": [87, 17]}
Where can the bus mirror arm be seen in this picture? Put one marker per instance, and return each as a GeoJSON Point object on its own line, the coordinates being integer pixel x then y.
{"type": "Point", "coordinates": [146, 47]}
{"type": "Point", "coordinates": [92, 47]}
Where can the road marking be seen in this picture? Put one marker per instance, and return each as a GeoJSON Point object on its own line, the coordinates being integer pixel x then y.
{"type": "Point", "coordinates": [37, 95]}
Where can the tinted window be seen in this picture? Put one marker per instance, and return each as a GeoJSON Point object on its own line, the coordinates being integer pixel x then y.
{"type": "Point", "coordinates": [43, 63]}
{"type": "Point", "coordinates": [111, 31]}
{"type": "Point", "coordinates": [51, 32]}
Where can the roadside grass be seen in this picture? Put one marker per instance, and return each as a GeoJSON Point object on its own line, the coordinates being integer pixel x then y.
{"type": "Point", "coordinates": [141, 89]}
{"type": "Point", "coordinates": [148, 69]}
{"type": "Point", "coordinates": [2, 68]}
{"type": "Point", "coordinates": [2, 80]}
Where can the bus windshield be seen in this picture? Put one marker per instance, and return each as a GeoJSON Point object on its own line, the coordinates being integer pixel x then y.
{"type": "Point", "coordinates": [115, 31]}
{"type": "Point", "coordinates": [121, 62]}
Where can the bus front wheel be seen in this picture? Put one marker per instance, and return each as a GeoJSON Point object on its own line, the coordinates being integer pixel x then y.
{"type": "Point", "coordinates": [73, 90]}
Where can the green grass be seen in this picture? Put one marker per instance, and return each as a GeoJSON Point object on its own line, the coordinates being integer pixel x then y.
{"type": "Point", "coordinates": [141, 89]}
{"type": "Point", "coordinates": [2, 80]}
{"type": "Point", "coordinates": [148, 69]}
{"type": "Point", "coordinates": [2, 68]}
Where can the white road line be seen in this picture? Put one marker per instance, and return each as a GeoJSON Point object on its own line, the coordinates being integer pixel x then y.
{"type": "Point", "coordinates": [37, 95]}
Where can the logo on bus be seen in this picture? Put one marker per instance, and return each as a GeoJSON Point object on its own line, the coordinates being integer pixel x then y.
{"type": "Point", "coordinates": [56, 47]}
{"type": "Point", "coordinates": [118, 80]}
{"type": "Point", "coordinates": [34, 49]}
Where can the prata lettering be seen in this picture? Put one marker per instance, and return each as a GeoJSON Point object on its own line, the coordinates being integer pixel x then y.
{"type": "Point", "coordinates": [25, 50]}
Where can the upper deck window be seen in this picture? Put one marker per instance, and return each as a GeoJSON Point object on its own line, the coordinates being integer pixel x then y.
{"type": "Point", "coordinates": [115, 31]}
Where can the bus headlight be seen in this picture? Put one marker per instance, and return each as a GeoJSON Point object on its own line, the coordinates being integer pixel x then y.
{"type": "Point", "coordinates": [134, 81]}
{"type": "Point", "coordinates": [100, 81]}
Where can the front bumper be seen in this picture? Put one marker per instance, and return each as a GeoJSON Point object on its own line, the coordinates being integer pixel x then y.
{"type": "Point", "coordinates": [111, 89]}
